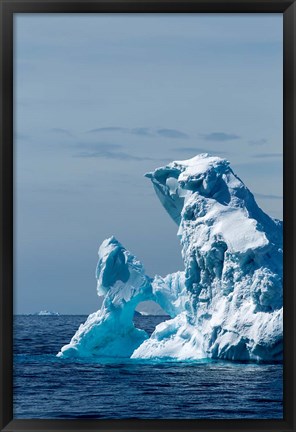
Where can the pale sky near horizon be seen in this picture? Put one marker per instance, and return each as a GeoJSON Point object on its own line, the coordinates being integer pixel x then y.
{"type": "Point", "coordinates": [102, 99]}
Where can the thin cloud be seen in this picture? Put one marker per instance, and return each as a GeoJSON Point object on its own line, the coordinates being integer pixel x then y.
{"type": "Point", "coordinates": [197, 150]}
{"type": "Point", "coordinates": [108, 155]}
{"type": "Point", "coordinates": [266, 196]}
{"type": "Point", "coordinates": [258, 142]}
{"type": "Point", "coordinates": [109, 129]}
{"type": "Point", "coordinates": [171, 133]}
{"type": "Point", "coordinates": [61, 131]}
{"type": "Point", "coordinates": [97, 146]}
{"type": "Point", "coordinates": [114, 155]}
{"type": "Point", "coordinates": [267, 155]}
{"type": "Point", "coordinates": [142, 131]}
{"type": "Point", "coordinates": [220, 136]}
{"type": "Point", "coordinates": [107, 151]}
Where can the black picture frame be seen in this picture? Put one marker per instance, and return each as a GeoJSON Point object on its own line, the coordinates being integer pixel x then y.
{"type": "Point", "coordinates": [8, 9]}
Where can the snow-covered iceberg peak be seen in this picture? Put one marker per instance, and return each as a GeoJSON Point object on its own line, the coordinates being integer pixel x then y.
{"type": "Point", "coordinates": [227, 303]}
{"type": "Point", "coordinates": [207, 179]}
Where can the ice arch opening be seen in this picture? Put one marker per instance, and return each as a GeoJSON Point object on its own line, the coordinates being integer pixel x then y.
{"type": "Point", "coordinates": [148, 314]}
{"type": "Point", "coordinates": [150, 307]}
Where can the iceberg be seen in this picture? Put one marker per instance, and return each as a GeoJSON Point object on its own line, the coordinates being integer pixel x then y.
{"type": "Point", "coordinates": [228, 301]}
{"type": "Point", "coordinates": [47, 313]}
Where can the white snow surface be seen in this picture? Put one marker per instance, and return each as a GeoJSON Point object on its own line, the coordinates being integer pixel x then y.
{"type": "Point", "coordinates": [226, 304]}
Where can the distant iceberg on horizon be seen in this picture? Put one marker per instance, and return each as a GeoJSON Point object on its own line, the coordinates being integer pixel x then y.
{"type": "Point", "coordinates": [226, 304]}
{"type": "Point", "coordinates": [47, 313]}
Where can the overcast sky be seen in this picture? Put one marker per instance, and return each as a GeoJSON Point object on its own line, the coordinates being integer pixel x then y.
{"type": "Point", "coordinates": [102, 99]}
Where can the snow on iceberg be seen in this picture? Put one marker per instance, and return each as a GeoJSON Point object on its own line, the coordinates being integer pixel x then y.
{"type": "Point", "coordinates": [227, 304]}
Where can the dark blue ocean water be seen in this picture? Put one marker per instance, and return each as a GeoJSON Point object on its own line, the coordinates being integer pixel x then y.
{"type": "Point", "coordinates": [52, 388]}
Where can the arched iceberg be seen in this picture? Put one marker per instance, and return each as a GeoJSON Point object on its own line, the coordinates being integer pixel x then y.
{"type": "Point", "coordinates": [227, 304]}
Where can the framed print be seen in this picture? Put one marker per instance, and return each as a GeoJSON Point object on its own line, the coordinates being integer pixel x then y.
{"type": "Point", "coordinates": [147, 215]}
